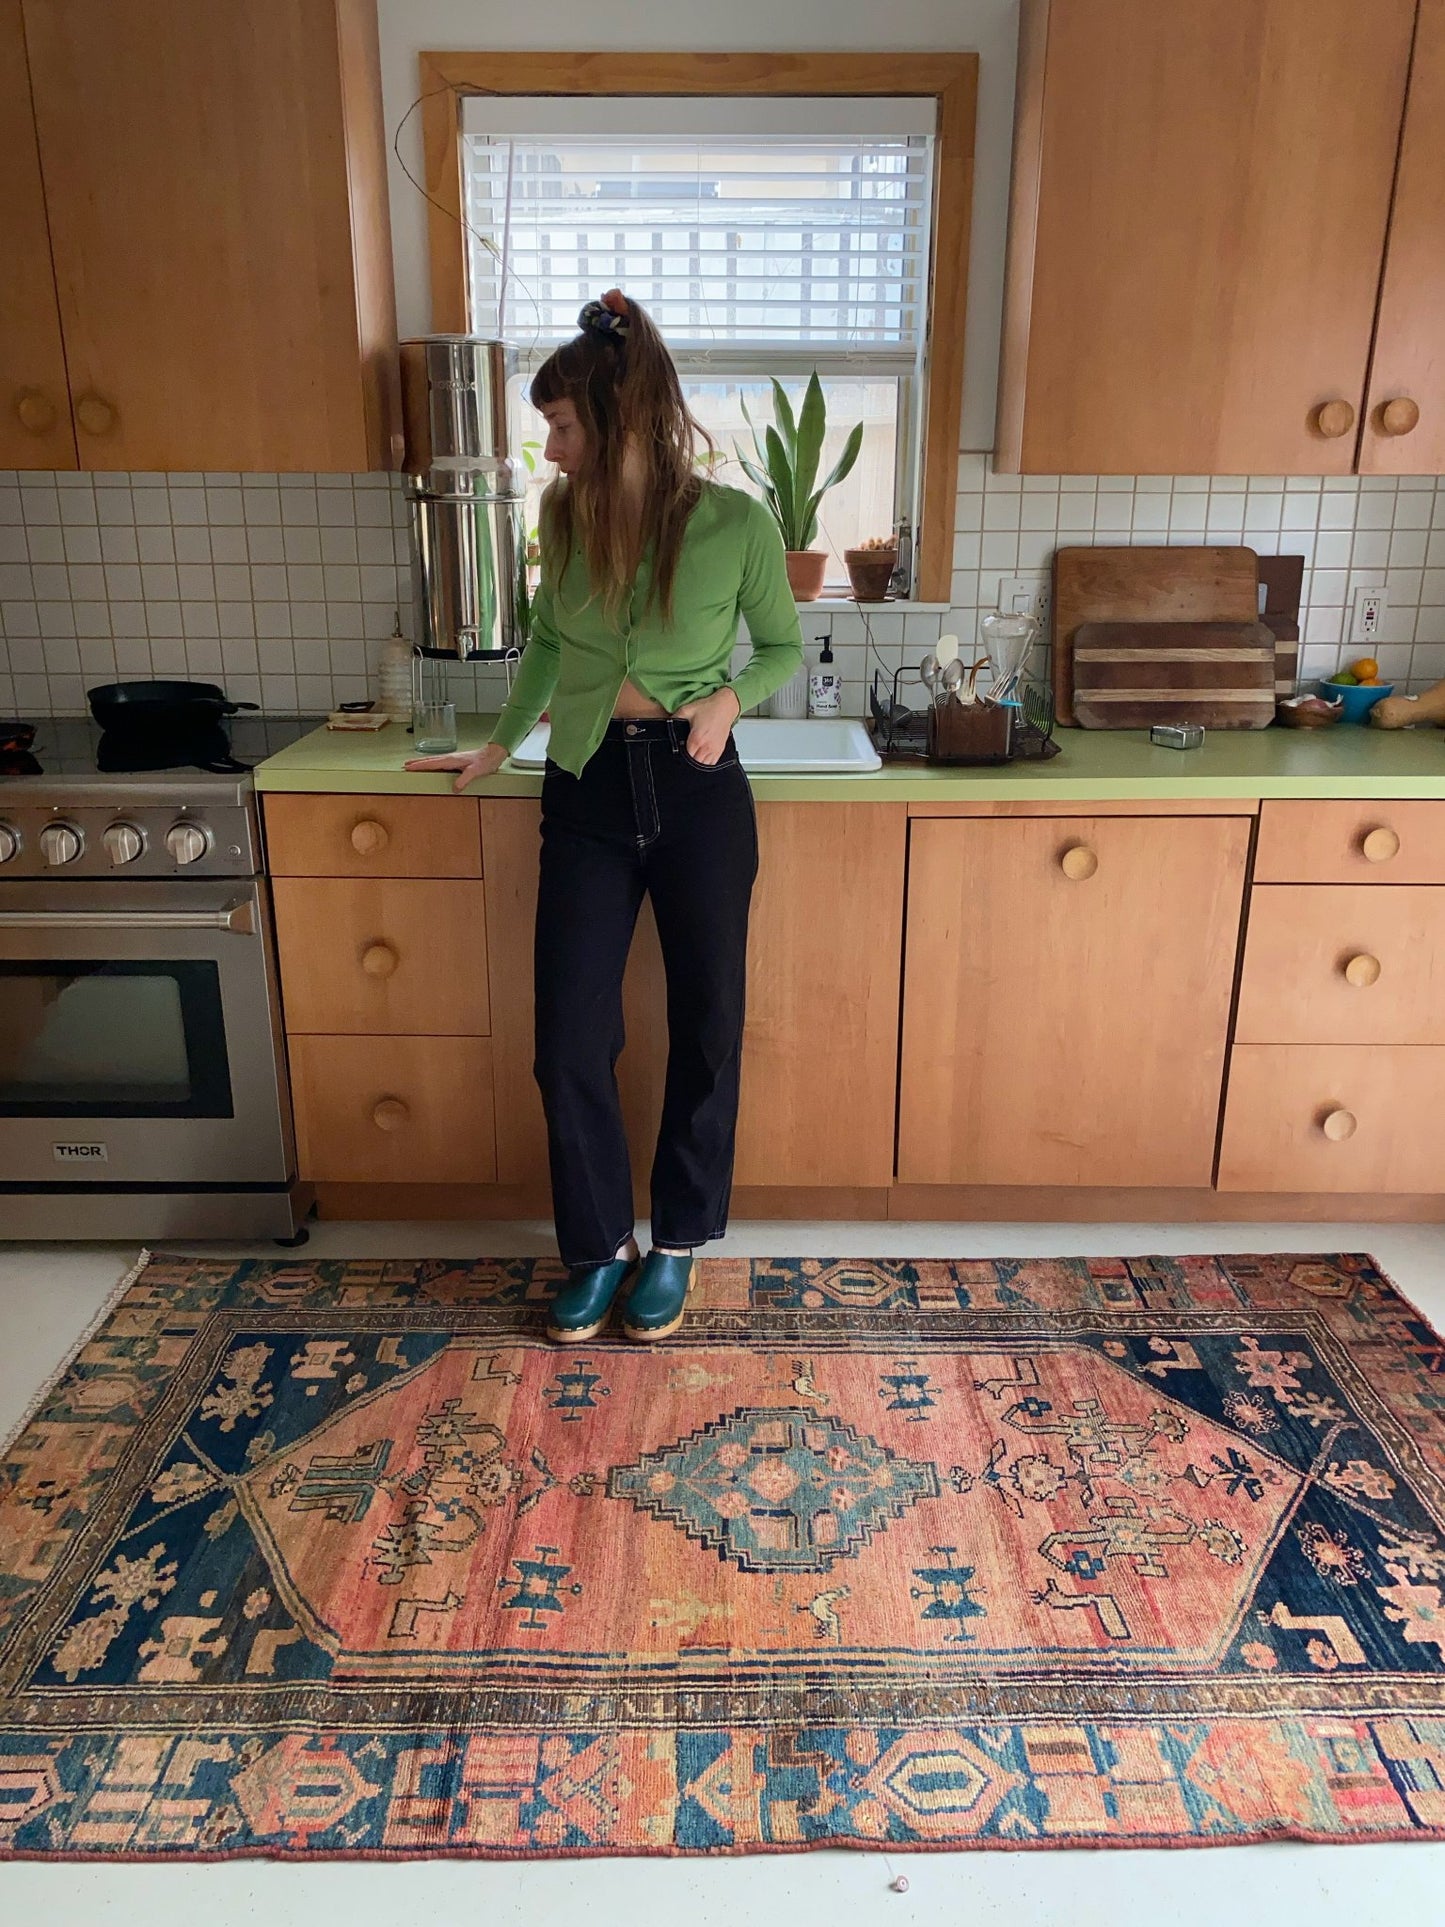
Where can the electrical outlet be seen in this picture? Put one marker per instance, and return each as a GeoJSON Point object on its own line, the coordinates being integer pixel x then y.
{"type": "Point", "coordinates": [1369, 617]}
{"type": "Point", "coordinates": [1024, 595]}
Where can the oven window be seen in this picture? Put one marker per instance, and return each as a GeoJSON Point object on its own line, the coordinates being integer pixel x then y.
{"type": "Point", "coordinates": [81, 1039]}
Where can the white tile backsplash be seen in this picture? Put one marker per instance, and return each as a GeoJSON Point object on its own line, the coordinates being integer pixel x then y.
{"type": "Point", "coordinates": [283, 587]}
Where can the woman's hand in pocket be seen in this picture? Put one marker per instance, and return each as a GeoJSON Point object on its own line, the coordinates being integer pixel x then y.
{"type": "Point", "coordinates": [471, 765]}
{"type": "Point", "coordinates": [710, 722]}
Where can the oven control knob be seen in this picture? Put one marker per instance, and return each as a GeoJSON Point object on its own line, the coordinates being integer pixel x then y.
{"type": "Point", "coordinates": [9, 843]}
{"type": "Point", "coordinates": [60, 843]}
{"type": "Point", "coordinates": [123, 843]}
{"type": "Point", "coordinates": [187, 842]}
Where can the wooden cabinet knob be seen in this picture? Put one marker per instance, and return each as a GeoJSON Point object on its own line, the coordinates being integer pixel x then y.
{"type": "Point", "coordinates": [369, 837]}
{"type": "Point", "coordinates": [1338, 1125]}
{"type": "Point", "coordinates": [95, 414]}
{"type": "Point", "coordinates": [1398, 417]}
{"type": "Point", "coordinates": [35, 411]}
{"type": "Point", "coordinates": [1378, 846]}
{"type": "Point", "coordinates": [390, 1114]}
{"type": "Point", "coordinates": [1363, 970]}
{"type": "Point", "coordinates": [1079, 863]}
{"type": "Point", "coordinates": [379, 960]}
{"type": "Point", "coordinates": [1333, 419]}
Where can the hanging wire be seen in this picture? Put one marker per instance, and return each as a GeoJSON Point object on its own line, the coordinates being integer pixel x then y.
{"type": "Point", "coordinates": [460, 215]}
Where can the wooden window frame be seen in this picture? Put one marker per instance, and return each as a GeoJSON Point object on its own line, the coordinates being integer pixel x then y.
{"type": "Point", "coordinates": [950, 79]}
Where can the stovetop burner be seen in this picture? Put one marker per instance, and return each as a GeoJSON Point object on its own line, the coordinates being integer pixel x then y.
{"type": "Point", "coordinates": [77, 749]}
{"type": "Point", "coordinates": [127, 750]}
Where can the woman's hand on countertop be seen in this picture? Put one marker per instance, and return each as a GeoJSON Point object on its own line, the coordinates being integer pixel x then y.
{"type": "Point", "coordinates": [470, 764]}
{"type": "Point", "coordinates": [711, 720]}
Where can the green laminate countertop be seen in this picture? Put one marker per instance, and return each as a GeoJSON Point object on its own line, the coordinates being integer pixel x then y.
{"type": "Point", "coordinates": [1093, 766]}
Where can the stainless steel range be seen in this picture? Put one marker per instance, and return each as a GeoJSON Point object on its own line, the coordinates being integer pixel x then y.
{"type": "Point", "coordinates": [142, 1076]}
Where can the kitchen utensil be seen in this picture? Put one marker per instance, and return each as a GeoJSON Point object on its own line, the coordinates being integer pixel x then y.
{"type": "Point", "coordinates": [953, 674]}
{"type": "Point", "coordinates": [161, 707]}
{"type": "Point", "coordinates": [1129, 675]}
{"type": "Point", "coordinates": [1144, 585]}
{"type": "Point", "coordinates": [1008, 640]}
{"type": "Point", "coordinates": [947, 650]}
{"type": "Point", "coordinates": [930, 672]}
{"type": "Point", "coordinates": [1356, 700]}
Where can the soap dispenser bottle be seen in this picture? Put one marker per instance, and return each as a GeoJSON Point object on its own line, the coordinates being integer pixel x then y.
{"type": "Point", "coordinates": [825, 683]}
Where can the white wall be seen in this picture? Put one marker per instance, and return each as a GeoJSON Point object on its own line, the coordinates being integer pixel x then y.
{"type": "Point", "coordinates": [986, 27]}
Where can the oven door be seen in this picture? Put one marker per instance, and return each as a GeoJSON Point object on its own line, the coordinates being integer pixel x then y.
{"type": "Point", "coordinates": [139, 1037]}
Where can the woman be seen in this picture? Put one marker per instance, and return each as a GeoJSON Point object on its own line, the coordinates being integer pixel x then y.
{"type": "Point", "coordinates": [646, 568]}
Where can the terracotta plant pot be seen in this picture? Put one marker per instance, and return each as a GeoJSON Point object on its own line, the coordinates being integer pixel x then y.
{"type": "Point", "coordinates": [870, 571]}
{"type": "Point", "coordinates": [806, 569]}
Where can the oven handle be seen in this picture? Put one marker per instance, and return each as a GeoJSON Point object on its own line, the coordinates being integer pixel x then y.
{"type": "Point", "coordinates": [239, 917]}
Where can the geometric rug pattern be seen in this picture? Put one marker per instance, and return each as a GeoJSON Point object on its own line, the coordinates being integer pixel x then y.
{"type": "Point", "coordinates": [342, 1558]}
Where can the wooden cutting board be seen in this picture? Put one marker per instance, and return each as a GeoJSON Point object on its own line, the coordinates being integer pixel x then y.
{"type": "Point", "coordinates": [1128, 675]}
{"type": "Point", "coordinates": [1144, 585]}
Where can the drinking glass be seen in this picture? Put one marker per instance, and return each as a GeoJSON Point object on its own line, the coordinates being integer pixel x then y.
{"type": "Point", "coordinates": [434, 726]}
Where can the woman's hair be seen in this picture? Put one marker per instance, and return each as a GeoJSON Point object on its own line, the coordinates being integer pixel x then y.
{"type": "Point", "coordinates": [620, 378]}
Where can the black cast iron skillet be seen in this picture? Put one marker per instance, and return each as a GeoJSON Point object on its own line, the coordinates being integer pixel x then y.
{"type": "Point", "coordinates": [162, 707]}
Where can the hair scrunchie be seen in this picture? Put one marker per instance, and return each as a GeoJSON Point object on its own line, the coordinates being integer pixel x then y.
{"type": "Point", "coordinates": [607, 316]}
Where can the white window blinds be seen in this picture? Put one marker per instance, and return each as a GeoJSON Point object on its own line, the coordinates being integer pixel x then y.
{"type": "Point", "coordinates": [796, 227]}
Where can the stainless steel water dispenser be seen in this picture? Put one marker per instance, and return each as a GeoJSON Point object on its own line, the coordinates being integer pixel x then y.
{"type": "Point", "coordinates": [467, 497]}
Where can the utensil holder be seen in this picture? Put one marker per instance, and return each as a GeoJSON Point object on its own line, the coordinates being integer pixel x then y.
{"type": "Point", "coordinates": [970, 732]}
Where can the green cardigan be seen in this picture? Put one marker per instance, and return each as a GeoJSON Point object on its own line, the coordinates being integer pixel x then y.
{"type": "Point", "coordinates": [577, 660]}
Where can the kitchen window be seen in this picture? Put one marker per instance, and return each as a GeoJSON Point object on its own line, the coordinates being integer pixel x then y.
{"type": "Point", "coordinates": [776, 214]}
{"type": "Point", "coordinates": [766, 238]}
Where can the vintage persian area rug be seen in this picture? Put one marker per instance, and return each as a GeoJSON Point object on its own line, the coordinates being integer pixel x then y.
{"type": "Point", "coordinates": [343, 1559]}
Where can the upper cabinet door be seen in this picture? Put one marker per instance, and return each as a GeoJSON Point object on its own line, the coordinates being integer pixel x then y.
{"type": "Point", "coordinates": [215, 180]}
{"type": "Point", "coordinates": [1404, 430]}
{"type": "Point", "coordinates": [1200, 199]}
{"type": "Point", "coordinates": [35, 427]}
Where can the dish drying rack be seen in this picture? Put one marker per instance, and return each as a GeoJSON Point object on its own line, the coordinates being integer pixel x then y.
{"type": "Point", "coordinates": [941, 729]}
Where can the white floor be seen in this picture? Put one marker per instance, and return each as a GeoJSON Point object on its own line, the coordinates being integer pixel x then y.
{"type": "Point", "coordinates": [48, 1294]}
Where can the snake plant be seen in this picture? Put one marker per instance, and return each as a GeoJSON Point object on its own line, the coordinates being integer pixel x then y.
{"type": "Point", "coordinates": [784, 464]}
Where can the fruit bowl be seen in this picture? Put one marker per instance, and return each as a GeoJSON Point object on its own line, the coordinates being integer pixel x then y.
{"type": "Point", "coordinates": [1358, 698]}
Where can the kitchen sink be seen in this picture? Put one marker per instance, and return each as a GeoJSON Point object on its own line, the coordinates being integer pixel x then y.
{"type": "Point", "coordinates": [769, 746]}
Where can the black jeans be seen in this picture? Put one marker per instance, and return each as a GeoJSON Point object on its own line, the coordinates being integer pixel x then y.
{"type": "Point", "coordinates": [643, 816]}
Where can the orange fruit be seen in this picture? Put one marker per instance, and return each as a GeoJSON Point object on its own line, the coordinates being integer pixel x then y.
{"type": "Point", "coordinates": [1366, 669]}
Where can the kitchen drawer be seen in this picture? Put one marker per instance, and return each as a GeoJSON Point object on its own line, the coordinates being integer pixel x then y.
{"type": "Point", "coordinates": [1350, 843]}
{"type": "Point", "coordinates": [394, 1110]}
{"type": "Point", "coordinates": [373, 836]}
{"type": "Point", "coordinates": [1334, 1118]}
{"type": "Point", "coordinates": [383, 958]}
{"type": "Point", "coordinates": [1343, 964]}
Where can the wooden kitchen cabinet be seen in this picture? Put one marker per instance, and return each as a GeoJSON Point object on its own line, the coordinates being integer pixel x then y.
{"type": "Point", "coordinates": [820, 1045]}
{"type": "Point", "coordinates": [387, 958]}
{"type": "Point", "coordinates": [372, 836]}
{"type": "Point", "coordinates": [393, 1110]}
{"type": "Point", "coordinates": [1201, 196]}
{"type": "Point", "coordinates": [35, 427]}
{"type": "Point", "coordinates": [1404, 426]}
{"type": "Point", "coordinates": [1343, 964]}
{"type": "Point", "coordinates": [215, 187]}
{"type": "Point", "coordinates": [1342, 1118]}
{"type": "Point", "coordinates": [1066, 999]}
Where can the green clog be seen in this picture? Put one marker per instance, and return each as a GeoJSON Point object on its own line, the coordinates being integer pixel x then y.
{"type": "Point", "coordinates": [583, 1305]}
{"type": "Point", "coordinates": [655, 1306]}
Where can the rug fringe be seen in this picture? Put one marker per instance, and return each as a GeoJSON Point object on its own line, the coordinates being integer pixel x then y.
{"type": "Point", "coordinates": [10, 1439]}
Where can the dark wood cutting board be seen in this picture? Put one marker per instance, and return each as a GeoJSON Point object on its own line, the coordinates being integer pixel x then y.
{"type": "Point", "coordinates": [1128, 675]}
{"type": "Point", "coordinates": [1144, 585]}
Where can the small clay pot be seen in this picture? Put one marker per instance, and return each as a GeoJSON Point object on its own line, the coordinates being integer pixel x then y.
{"type": "Point", "coordinates": [870, 571]}
{"type": "Point", "coordinates": [806, 569]}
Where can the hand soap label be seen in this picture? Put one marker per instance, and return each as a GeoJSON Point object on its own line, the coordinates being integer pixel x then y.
{"type": "Point", "coordinates": [825, 692]}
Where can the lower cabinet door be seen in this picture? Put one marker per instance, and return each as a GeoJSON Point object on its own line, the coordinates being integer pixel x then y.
{"type": "Point", "coordinates": [1334, 1117]}
{"type": "Point", "coordinates": [394, 1110]}
{"type": "Point", "coordinates": [1066, 994]}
